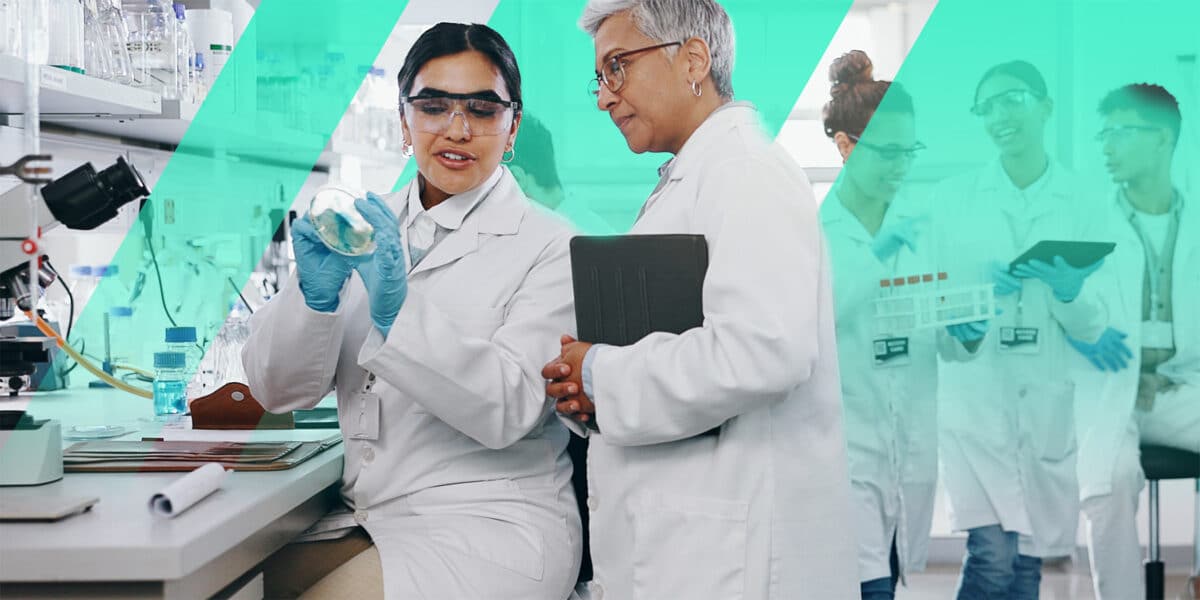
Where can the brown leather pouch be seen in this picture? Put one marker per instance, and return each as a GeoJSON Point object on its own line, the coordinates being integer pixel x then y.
{"type": "Point", "coordinates": [232, 407]}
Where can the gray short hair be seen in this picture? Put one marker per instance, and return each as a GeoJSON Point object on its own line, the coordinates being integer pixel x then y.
{"type": "Point", "coordinates": [674, 21]}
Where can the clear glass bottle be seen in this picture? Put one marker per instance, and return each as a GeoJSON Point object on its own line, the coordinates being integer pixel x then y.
{"type": "Point", "coordinates": [66, 35]}
{"type": "Point", "coordinates": [116, 38]}
{"type": "Point", "coordinates": [183, 340]}
{"type": "Point", "coordinates": [152, 46]}
{"type": "Point", "coordinates": [120, 333]}
{"type": "Point", "coordinates": [170, 388]}
{"type": "Point", "coordinates": [185, 51]}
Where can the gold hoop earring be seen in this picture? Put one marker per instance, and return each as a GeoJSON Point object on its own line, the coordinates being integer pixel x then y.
{"type": "Point", "coordinates": [510, 154]}
{"type": "Point", "coordinates": [696, 89]}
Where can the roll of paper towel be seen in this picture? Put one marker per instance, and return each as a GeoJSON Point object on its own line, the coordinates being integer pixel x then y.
{"type": "Point", "coordinates": [186, 491]}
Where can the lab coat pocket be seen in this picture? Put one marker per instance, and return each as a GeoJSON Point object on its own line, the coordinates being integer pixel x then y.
{"type": "Point", "coordinates": [688, 547]}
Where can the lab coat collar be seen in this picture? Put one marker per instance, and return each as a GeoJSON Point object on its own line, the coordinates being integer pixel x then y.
{"type": "Point", "coordinates": [499, 210]}
{"type": "Point", "coordinates": [1048, 190]}
{"type": "Point", "coordinates": [838, 220]}
{"type": "Point", "coordinates": [450, 213]}
{"type": "Point", "coordinates": [730, 113]}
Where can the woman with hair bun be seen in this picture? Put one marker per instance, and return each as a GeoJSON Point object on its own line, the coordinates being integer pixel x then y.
{"type": "Point", "coordinates": [889, 377]}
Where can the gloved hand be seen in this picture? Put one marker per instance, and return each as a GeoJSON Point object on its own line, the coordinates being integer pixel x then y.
{"type": "Point", "coordinates": [1109, 353]}
{"type": "Point", "coordinates": [889, 240]}
{"type": "Point", "coordinates": [1064, 280]}
{"type": "Point", "coordinates": [322, 271]}
{"type": "Point", "coordinates": [968, 332]}
{"type": "Point", "coordinates": [1006, 283]}
{"type": "Point", "coordinates": [383, 272]}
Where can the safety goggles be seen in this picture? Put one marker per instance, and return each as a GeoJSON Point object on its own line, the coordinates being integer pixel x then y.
{"type": "Point", "coordinates": [481, 115]}
{"type": "Point", "coordinates": [1010, 101]}
{"type": "Point", "coordinates": [890, 152]}
{"type": "Point", "coordinates": [1121, 133]}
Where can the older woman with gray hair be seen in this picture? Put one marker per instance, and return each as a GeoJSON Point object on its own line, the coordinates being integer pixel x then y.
{"type": "Point", "coordinates": [758, 508]}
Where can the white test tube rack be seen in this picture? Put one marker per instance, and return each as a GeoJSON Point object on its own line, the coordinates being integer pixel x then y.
{"type": "Point", "coordinates": [921, 301]}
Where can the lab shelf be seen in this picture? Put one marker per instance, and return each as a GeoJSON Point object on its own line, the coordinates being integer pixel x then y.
{"type": "Point", "coordinates": [67, 93]}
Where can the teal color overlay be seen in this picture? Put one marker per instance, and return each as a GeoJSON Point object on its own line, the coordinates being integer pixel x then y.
{"type": "Point", "coordinates": [250, 148]}
{"type": "Point", "coordinates": [778, 45]}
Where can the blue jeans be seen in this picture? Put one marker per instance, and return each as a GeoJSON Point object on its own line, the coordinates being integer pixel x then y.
{"type": "Point", "coordinates": [883, 588]}
{"type": "Point", "coordinates": [994, 569]}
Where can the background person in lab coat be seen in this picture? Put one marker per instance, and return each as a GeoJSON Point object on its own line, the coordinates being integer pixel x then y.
{"type": "Point", "coordinates": [1007, 424]}
{"type": "Point", "coordinates": [889, 397]}
{"type": "Point", "coordinates": [1150, 394]}
{"type": "Point", "coordinates": [761, 510]}
{"type": "Point", "coordinates": [455, 463]}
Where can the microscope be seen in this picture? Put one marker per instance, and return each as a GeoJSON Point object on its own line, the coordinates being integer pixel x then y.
{"type": "Point", "coordinates": [82, 199]}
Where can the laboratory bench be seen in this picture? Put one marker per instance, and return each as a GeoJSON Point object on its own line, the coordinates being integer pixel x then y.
{"type": "Point", "coordinates": [119, 549]}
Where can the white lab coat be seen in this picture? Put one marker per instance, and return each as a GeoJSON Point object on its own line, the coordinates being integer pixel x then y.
{"type": "Point", "coordinates": [1105, 401]}
{"type": "Point", "coordinates": [466, 492]}
{"type": "Point", "coordinates": [1109, 472]}
{"type": "Point", "coordinates": [762, 511]}
{"type": "Point", "coordinates": [1007, 434]}
{"type": "Point", "coordinates": [890, 412]}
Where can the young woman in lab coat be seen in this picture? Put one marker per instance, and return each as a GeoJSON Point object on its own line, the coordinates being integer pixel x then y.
{"type": "Point", "coordinates": [761, 510]}
{"type": "Point", "coordinates": [889, 378]}
{"type": "Point", "coordinates": [455, 464]}
{"type": "Point", "coordinates": [1007, 436]}
{"type": "Point", "coordinates": [1148, 391]}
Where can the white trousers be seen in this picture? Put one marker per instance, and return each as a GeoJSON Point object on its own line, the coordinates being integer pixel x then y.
{"type": "Point", "coordinates": [1112, 536]}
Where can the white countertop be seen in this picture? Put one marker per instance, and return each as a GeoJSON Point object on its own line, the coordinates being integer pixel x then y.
{"type": "Point", "coordinates": [119, 539]}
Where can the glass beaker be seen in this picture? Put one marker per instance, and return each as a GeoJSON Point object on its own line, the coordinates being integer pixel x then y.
{"type": "Point", "coordinates": [339, 225]}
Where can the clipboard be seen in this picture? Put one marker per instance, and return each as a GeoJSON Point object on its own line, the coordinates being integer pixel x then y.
{"type": "Point", "coordinates": [1077, 254]}
{"type": "Point", "coordinates": [629, 286]}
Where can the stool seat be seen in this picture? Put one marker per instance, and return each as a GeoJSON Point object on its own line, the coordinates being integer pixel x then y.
{"type": "Point", "coordinates": [1162, 462]}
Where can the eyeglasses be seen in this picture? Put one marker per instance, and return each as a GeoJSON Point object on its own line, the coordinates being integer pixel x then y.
{"type": "Point", "coordinates": [1010, 101]}
{"type": "Point", "coordinates": [433, 113]}
{"type": "Point", "coordinates": [1121, 133]}
{"type": "Point", "coordinates": [890, 152]}
{"type": "Point", "coordinates": [612, 75]}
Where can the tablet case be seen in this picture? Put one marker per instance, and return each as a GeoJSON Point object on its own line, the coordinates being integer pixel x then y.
{"type": "Point", "coordinates": [629, 286]}
{"type": "Point", "coordinates": [1077, 254]}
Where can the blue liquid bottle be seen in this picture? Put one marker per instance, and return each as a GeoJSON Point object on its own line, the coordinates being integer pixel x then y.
{"type": "Point", "coordinates": [170, 388]}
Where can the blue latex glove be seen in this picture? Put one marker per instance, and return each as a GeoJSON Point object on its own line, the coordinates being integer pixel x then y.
{"type": "Point", "coordinates": [1109, 353]}
{"type": "Point", "coordinates": [1006, 283]}
{"type": "Point", "coordinates": [968, 332]}
{"type": "Point", "coordinates": [383, 272]}
{"type": "Point", "coordinates": [322, 271]}
{"type": "Point", "coordinates": [1064, 280]}
{"type": "Point", "coordinates": [889, 240]}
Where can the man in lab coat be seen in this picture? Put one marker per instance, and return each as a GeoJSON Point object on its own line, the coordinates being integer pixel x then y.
{"type": "Point", "coordinates": [1152, 285]}
{"type": "Point", "coordinates": [760, 510]}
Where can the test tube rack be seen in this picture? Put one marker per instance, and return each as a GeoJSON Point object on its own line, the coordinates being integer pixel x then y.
{"type": "Point", "coordinates": [923, 301]}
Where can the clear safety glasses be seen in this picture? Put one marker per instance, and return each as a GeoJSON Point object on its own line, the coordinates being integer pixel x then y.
{"type": "Point", "coordinates": [1011, 101]}
{"type": "Point", "coordinates": [891, 152]}
{"type": "Point", "coordinates": [1122, 133]}
{"type": "Point", "coordinates": [480, 116]}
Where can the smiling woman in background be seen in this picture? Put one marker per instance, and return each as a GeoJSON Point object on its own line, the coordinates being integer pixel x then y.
{"type": "Point", "coordinates": [889, 395]}
{"type": "Point", "coordinates": [455, 467]}
{"type": "Point", "coordinates": [1007, 439]}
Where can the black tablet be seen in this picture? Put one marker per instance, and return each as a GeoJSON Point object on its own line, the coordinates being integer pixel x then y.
{"type": "Point", "coordinates": [1077, 254]}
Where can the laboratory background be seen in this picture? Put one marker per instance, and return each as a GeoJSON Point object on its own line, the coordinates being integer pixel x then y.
{"type": "Point", "coordinates": [162, 240]}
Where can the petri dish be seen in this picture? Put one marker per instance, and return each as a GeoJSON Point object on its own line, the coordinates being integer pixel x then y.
{"type": "Point", "coordinates": [339, 225]}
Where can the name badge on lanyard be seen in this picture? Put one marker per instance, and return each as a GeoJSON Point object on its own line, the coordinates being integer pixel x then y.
{"type": "Point", "coordinates": [1020, 340]}
{"type": "Point", "coordinates": [364, 413]}
{"type": "Point", "coordinates": [891, 352]}
{"type": "Point", "coordinates": [1158, 335]}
